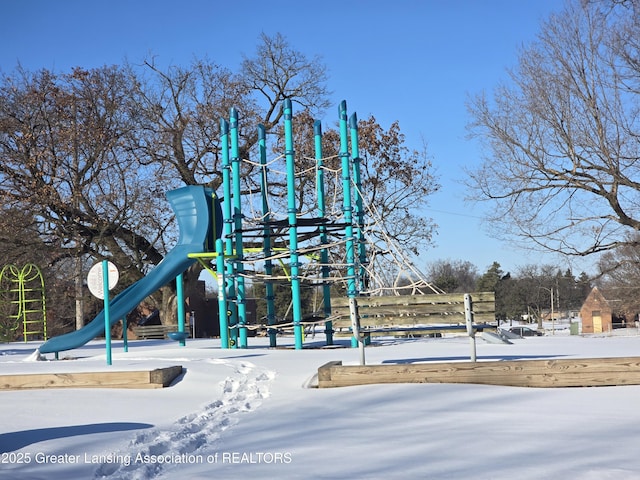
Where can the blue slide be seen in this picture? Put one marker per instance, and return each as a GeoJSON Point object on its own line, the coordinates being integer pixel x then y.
{"type": "Point", "coordinates": [199, 219]}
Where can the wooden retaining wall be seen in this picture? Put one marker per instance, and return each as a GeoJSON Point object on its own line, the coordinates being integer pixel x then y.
{"type": "Point", "coordinates": [583, 372]}
{"type": "Point", "coordinates": [157, 378]}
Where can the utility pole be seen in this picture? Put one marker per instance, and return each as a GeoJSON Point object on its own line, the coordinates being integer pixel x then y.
{"type": "Point", "coordinates": [553, 320]}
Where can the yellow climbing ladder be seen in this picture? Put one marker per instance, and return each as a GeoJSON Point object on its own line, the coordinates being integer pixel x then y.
{"type": "Point", "coordinates": [22, 303]}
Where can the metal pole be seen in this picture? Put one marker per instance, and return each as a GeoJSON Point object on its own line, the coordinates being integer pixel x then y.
{"type": "Point", "coordinates": [237, 216]}
{"type": "Point", "coordinates": [180, 300]}
{"type": "Point", "coordinates": [355, 327]}
{"type": "Point", "coordinates": [230, 313]}
{"type": "Point", "coordinates": [468, 315]}
{"type": "Point", "coordinates": [107, 317]}
{"type": "Point", "coordinates": [359, 211]}
{"type": "Point", "coordinates": [324, 252]}
{"type": "Point", "coordinates": [223, 319]}
{"type": "Point", "coordinates": [125, 337]}
{"type": "Point", "coordinates": [266, 246]}
{"type": "Point", "coordinates": [293, 223]}
{"type": "Point", "coordinates": [352, 291]}
{"type": "Point", "coordinates": [553, 321]}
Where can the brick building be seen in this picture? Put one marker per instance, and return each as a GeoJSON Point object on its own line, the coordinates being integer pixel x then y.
{"type": "Point", "coordinates": [599, 313]}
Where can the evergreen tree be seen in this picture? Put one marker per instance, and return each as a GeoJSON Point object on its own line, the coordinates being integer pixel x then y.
{"type": "Point", "coordinates": [489, 281]}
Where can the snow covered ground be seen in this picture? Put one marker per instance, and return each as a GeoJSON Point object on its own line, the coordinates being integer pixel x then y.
{"type": "Point", "coordinates": [251, 414]}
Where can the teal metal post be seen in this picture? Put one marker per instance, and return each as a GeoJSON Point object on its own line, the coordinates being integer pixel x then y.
{"type": "Point", "coordinates": [266, 218]}
{"type": "Point", "coordinates": [324, 252]}
{"type": "Point", "coordinates": [180, 300]}
{"type": "Point", "coordinates": [355, 159]}
{"type": "Point", "coordinates": [222, 296]}
{"type": "Point", "coordinates": [230, 312]}
{"type": "Point", "coordinates": [293, 223]}
{"type": "Point", "coordinates": [237, 217]}
{"type": "Point", "coordinates": [347, 208]}
{"type": "Point", "coordinates": [125, 337]}
{"type": "Point", "coordinates": [107, 317]}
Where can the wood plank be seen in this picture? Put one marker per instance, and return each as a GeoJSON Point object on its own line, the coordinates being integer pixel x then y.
{"type": "Point", "coordinates": [447, 298]}
{"type": "Point", "coordinates": [391, 321]}
{"type": "Point", "coordinates": [412, 310]}
{"type": "Point", "coordinates": [420, 330]}
{"type": "Point", "coordinates": [324, 372]}
{"type": "Point", "coordinates": [164, 376]}
{"type": "Point", "coordinates": [518, 373]}
{"type": "Point", "coordinates": [157, 378]}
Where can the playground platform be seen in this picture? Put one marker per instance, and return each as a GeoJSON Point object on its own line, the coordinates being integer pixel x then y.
{"type": "Point", "coordinates": [156, 378]}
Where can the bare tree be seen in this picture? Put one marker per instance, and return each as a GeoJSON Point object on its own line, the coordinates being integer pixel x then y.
{"type": "Point", "coordinates": [453, 276]}
{"type": "Point", "coordinates": [177, 121]}
{"type": "Point", "coordinates": [619, 276]}
{"type": "Point", "coordinates": [65, 167]}
{"type": "Point", "coordinates": [88, 155]}
{"type": "Point", "coordinates": [277, 71]}
{"type": "Point", "coordinates": [563, 164]}
{"type": "Point", "coordinates": [397, 181]}
{"type": "Point", "coordinates": [61, 140]}
{"type": "Point", "coordinates": [91, 153]}
{"type": "Point", "coordinates": [178, 112]}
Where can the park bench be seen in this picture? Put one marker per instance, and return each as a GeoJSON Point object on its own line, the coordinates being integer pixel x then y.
{"type": "Point", "coordinates": [153, 331]}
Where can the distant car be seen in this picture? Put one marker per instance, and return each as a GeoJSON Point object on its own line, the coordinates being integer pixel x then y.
{"type": "Point", "coordinates": [525, 331]}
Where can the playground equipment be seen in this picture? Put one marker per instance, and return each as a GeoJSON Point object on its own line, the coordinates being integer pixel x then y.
{"type": "Point", "coordinates": [197, 241]}
{"type": "Point", "coordinates": [333, 242]}
{"type": "Point", "coordinates": [199, 219]}
{"type": "Point", "coordinates": [22, 303]}
{"type": "Point", "coordinates": [230, 254]}
{"type": "Point", "coordinates": [320, 249]}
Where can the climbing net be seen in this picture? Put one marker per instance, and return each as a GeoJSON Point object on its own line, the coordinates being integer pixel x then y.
{"type": "Point", "coordinates": [387, 270]}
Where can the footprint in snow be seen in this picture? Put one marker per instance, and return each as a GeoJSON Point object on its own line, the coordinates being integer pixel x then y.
{"type": "Point", "coordinates": [191, 434]}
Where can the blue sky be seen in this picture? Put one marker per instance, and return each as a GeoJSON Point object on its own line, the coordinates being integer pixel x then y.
{"type": "Point", "coordinates": [412, 61]}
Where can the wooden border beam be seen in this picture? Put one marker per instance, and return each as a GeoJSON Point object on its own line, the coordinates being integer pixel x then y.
{"type": "Point", "coordinates": [579, 372]}
{"type": "Point", "coordinates": [157, 378]}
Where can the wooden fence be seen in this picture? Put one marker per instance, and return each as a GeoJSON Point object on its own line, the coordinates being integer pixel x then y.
{"type": "Point", "coordinates": [414, 310]}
